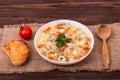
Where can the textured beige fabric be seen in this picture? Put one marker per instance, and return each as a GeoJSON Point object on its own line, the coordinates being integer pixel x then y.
{"type": "Point", "coordinates": [36, 64]}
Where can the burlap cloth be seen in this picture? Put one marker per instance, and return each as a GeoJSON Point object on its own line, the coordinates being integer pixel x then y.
{"type": "Point", "coordinates": [36, 64]}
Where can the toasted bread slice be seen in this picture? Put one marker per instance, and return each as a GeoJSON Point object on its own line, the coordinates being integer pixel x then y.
{"type": "Point", "coordinates": [18, 52]}
{"type": "Point", "coordinates": [7, 50]}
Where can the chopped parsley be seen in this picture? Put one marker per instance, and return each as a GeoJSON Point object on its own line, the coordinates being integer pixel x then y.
{"type": "Point", "coordinates": [62, 40]}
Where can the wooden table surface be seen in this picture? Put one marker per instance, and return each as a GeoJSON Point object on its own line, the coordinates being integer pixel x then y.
{"type": "Point", "coordinates": [88, 12]}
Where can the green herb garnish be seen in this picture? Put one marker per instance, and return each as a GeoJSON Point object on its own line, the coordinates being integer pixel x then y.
{"type": "Point", "coordinates": [68, 40]}
{"type": "Point", "coordinates": [61, 40]}
{"type": "Point", "coordinates": [59, 44]}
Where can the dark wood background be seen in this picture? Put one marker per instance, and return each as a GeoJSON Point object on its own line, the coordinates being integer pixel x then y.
{"type": "Point", "coordinates": [88, 12]}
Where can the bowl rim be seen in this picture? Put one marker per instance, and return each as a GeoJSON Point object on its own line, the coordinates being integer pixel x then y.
{"type": "Point", "coordinates": [61, 21]}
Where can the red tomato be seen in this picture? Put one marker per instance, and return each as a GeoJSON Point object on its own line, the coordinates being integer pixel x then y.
{"type": "Point", "coordinates": [25, 32]}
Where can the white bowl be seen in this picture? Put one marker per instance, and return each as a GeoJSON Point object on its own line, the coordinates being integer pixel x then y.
{"type": "Point", "coordinates": [77, 24]}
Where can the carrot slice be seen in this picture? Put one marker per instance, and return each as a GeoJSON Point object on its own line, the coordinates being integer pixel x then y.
{"type": "Point", "coordinates": [57, 34]}
{"type": "Point", "coordinates": [59, 26]}
{"type": "Point", "coordinates": [43, 53]}
{"type": "Point", "coordinates": [62, 48]}
{"type": "Point", "coordinates": [80, 46]}
{"type": "Point", "coordinates": [41, 45]}
{"type": "Point", "coordinates": [47, 29]}
{"type": "Point", "coordinates": [88, 39]}
{"type": "Point", "coordinates": [86, 50]}
{"type": "Point", "coordinates": [52, 57]}
{"type": "Point", "coordinates": [77, 57]}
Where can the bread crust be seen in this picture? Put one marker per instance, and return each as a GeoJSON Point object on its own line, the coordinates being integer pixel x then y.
{"type": "Point", "coordinates": [7, 50]}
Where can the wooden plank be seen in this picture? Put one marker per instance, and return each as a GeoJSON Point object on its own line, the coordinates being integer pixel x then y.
{"type": "Point", "coordinates": [59, 5]}
{"type": "Point", "coordinates": [13, 12]}
{"type": "Point", "coordinates": [86, 20]}
{"type": "Point", "coordinates": [52, 1]}
{"type": "Point", "coordinates": [71, 12]}
{"type": "Point", "coordinates": [59, 75]}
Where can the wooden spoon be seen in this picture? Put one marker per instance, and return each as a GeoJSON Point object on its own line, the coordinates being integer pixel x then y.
{"type": "Point", "coordinates": [104, 33]}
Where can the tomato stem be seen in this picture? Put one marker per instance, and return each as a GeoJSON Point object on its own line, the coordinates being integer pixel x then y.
{"type": "Point", "coordinates": [21, 28]}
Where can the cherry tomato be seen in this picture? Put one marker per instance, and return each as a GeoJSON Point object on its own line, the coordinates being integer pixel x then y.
{"type": "Point", "coordinates": [25, 32]}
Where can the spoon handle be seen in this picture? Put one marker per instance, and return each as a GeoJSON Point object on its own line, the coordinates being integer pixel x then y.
{"type": "Point", "coordinates": [105, 55]}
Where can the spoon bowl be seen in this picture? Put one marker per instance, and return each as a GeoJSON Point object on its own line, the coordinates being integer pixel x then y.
{"type": "Point", "coordinates": [104, 32]}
